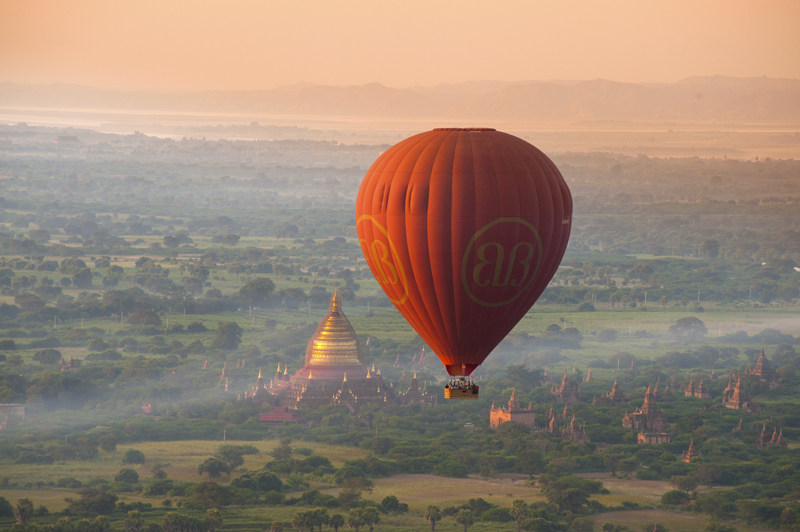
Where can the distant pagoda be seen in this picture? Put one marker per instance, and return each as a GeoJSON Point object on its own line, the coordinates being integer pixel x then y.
{"type": "Point", "coordinates": [567, 393]}
{"type": "Point", "coordinates": [649, 420]}
{"type": "Point", "coordinates": [766, 375]}
{"type": "Point", "coordinates": [692, 452]}
{"type": "Point", "coordinates": [736, 398]}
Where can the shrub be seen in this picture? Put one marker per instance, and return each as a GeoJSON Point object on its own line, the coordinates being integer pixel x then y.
{"type": "Point", "coordinates": [8, 345]}
{"type": "Point", "coordinates": [273, 498]}
{"type": "Point", "coordinates": [497, 515]}
{"type": "Point", "coordinates": [132, 456]}
{"type": "Point", "coordinates": [196, 327]}
{"type": "Point", "coordinates": [585, 307]}
{"type": "Point", "coordinates": [6, 510]}
{"type": "Point", "coordinates": [127, 475]}
{"type": "Point", "coordinates": [47, 356]}
{"type": "Point", "coordinates": [145, 317]}
{"type": "Point", "coordinates": [69, 482]}
{"type": "Point", "coordinates": [674, 497]}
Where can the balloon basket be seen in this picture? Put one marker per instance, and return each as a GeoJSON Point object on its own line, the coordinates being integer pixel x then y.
{"type": "Point", "coordinates": [461, 389]}
{"type": "Point", "coordinates": [460, 394]}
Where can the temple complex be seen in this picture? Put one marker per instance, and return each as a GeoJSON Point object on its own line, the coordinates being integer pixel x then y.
{"type": "Point", "coordinates": [649, 420]}
{"type": "Point", "coordinates": [570, 432]}
{"type": "Point", "coordinates": [701, 392]}
{"type": "Point", "coordinates": [415, 394]}
{"type": "Point", "coordinates": [334, 371]}
{"type": "Point", "coordinates": [766, 375]}
{"type": "Point", "coordinates": [735, 397]}
{"type": "Point", "coordinates": [567, 393]}
{"type": "Point", "coordinates": [616, 396]}
{"type": "Point", "coordinates": [72, 365]}
{"type": "Point", "coordinates": [513, 412]}
{"type": "Point", "coordinates": [691, 453]}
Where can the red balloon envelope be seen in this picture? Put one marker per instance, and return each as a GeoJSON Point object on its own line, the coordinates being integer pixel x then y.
{"type": "Point", "coordinates": [463, 229]}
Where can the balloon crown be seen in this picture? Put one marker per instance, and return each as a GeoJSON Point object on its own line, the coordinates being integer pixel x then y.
{"type": "Point", "coordinates": [464, 129]}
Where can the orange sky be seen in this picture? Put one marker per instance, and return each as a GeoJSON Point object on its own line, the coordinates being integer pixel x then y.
{"type": "Point", "coordinates": [239, 44]}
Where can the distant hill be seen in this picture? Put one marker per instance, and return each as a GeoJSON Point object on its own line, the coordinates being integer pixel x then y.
{"type": "Point", "coordinates": [696, 98]}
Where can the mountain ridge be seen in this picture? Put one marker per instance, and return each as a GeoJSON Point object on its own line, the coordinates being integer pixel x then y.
{"type": "Point", "coordinates": [703, 98]}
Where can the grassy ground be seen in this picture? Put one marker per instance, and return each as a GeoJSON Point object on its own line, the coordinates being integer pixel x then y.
{"type": "Point", "coordinates": [183, 456]}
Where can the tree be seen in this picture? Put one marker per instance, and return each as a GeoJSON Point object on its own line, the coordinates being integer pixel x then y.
{"type": "Point", "coordinates": [214, 467]}
{"type": "Point", "coordinates": [132, 456]}
{"type": "Point", "coordinates": [93, 501]}
{"type": "Point", "coordinates": [336, 521]}
{"type": "Point", "coordinates": [664, 301]}
{"type": "Point", "coordinates": [181, 523]}
{"type": "Point", "coordinates": [127, 475]}
{"type": "Point", "coordinates": [710, 248]}
{"type": "Point", "coordinates": [684, 302]}
{"type": "Point", "coordinates": [349, 498]}
{"type": "Point", "coordinates": [569, 499]}
{"type": "Point", "coordinates": [674, 497]}
{"type": "Point", "coordinates": [228, 336]}
{"type": "Point", "coordinates": [318, 295]}
{"type": "Point", "coordinates": [684, 482]}
{"type": "Point", "coordinates": [230, 239]}
{"type": "Point", "coordinates": [23, 511]}
{"type": "Point", "coordinates": [232, 454]}
{"type": "Point", "coordinates": [6, 510]}
{"type": "Point", "coordinates": [83, 279]}
{"type": "Point", "coordinates": [318, 518]}
{"type": "Point", "coordinates": [108, 442]}
{"type": "Point", "coordinates": [213, 520]}
{"type": "Point", "coordinates": [257, 292]}
{"type": "Point", "coordinates": [432, 514]}
{"type": "Point", "coordinates": [355, 519]}
{"type": "Point", "coordinates": [690, 328]}
{"type": "Point", "coordinates": [465, 519]}
{"type": "Point", "coordinates": [47, 356]}
{"type": "Point", "coordinates": [371, 517]}
{"type": "Point", "coordinates": [134, 522]}
{"type": "Point", "coordinates": [281, 452]}
{"type": "Point", "coordinates": [390, 503]}
{"type": "Point", "coordinates": [530, 462]}
{"type": "Point", "coordinates": [707, 474]}
{"type": "Point", "coordinates": [518, 510]}
{"type": "Point", "coordinates": [300, 521]}
{"type": "Point", "coordinates": [211, 495]}
{"type": "Point", "coordinates": [144, 317]}
{"type": "Point", "coordinates": [28, 302]}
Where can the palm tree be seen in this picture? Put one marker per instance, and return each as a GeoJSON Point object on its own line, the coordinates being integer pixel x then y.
{"type": "Point", "coordinates": [355, 519]}
{"type": "Point", "coordinates": [433, 514]}
{"type": "Point", "coordinates": [465, 518]}
{"type": "Point", "coordinates": [319, 517]}
{"type": "Point", "coordinates": [518, 510]}
{"type": "Point", "coordinates": [134, 522]}
{"type": "Point", "coordinates": [664, 301]}
{"type": "Point", "coordinates": [213, 520]}
{"type": "Point", "coordinates": [335, 521]}
{"type": "Point", "coordinates": [684, 302]}
{"type": "Point", "coordinates": [371, 517]}
{"type": "Point", "coordinates": [300, 521]}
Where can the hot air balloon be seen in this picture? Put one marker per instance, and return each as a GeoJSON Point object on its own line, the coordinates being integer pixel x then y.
{"type": "Point", "coordinates": [463, 229]}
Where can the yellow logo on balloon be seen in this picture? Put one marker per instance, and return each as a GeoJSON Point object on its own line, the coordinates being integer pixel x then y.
{"type": "Point", "coordinates": [384, 260]}
{"type": "Point", "coordinates": [497, 271]}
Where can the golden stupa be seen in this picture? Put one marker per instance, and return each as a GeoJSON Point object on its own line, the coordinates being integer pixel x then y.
{"type": "Point", "coordinates": [334, 342]}
{"type": "Point", "coordinates": [334, 348]}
